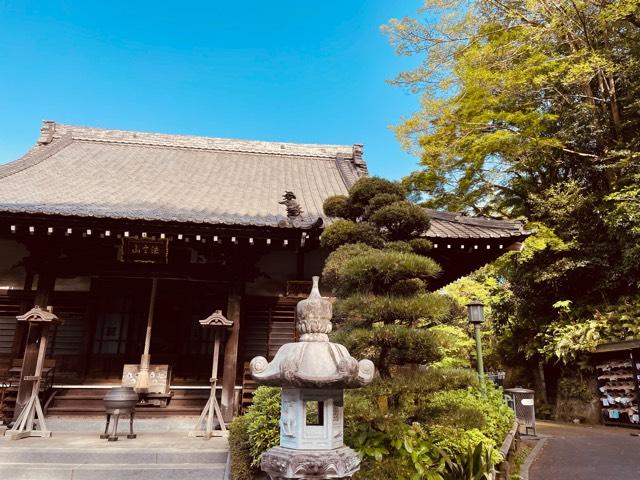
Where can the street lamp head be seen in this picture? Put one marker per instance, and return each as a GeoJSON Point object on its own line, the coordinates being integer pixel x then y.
{"type": "Point", "coordinates": [476, 312]}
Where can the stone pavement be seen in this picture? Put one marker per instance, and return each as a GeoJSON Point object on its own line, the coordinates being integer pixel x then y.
{"type": "Point", "coordinates": [84, 456]}
{"type": "Point", "coordinates": [581, 452]}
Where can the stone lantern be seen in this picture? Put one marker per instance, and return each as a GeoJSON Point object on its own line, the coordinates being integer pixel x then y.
{"type": "Point", "coordinates": [313, 374]}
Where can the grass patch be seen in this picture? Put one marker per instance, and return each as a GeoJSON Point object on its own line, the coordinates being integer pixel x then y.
{"type": "Point", "coordinates": [518, 459]}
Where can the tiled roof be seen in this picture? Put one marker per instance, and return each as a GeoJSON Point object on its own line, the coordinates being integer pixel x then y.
{"type": "Point", "coordinates": [93, 172]}
{"type": "Point", "coordinates": [454, 225]}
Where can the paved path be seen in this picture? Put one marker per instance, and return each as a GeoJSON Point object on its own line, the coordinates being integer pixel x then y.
{"type": "Point", "coordinates": [586, 453]}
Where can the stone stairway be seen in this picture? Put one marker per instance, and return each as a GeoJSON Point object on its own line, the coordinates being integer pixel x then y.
{"type": "Point", "coordinates": [79, 456]}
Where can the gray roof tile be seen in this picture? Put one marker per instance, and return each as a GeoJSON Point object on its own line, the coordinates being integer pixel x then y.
{"type": "Point", "coordinates": [147, 176]}
{"type": "Point", "coordinates": [92, 172]}
{"type": "Point", "coordinates": [455, 225]}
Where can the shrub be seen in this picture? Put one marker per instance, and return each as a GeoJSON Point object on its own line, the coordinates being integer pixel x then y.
{"type": "Point", "coordinates": [572, 388]}
{"type": "Point", "coordinates": [388, 345]}
{"type": "Point", "coordinates": [454, 408]}
{"type": "Point", "coordinates": [421, 246]}
{"type": "Point", "coordinates": [376, 271]}
{"type": "Point", "coordinates": [408, 287]}
{"type": "Point", "coordinates": [401, 220]}
{"type": "Point", "coordinates": [475, 464]}
{"type": "Point", "coordinates": [398, 246]}
{"type": "Point", "coordinates": [404, 426]}
{"type": "Point", "coordinates": [379, 201]}
{"type": "Point", "coordinates": [336, 206]}
{"type": "Point", "coordinates": [411, 423]}
{"type": "Point", "coordinates": [454, 345]}
{"type": "Point", "coordinates": [263, 422]}
{"type": "Point", "coordinates": [457, 441]}
{"type": "Point", "coordinates": [342, 232]}
{"type": "Point", "coordinates": [367, 188]}
{"type": "Point", "coordinates": [419, 310]}
{"type": "Point", "coordinates": [240, 446]}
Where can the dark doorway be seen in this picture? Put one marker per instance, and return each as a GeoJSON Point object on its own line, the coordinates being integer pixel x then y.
{"type": "Point", "coordinates": [120, 311]}
{"type": "Point", "coordinates": [177, 339]}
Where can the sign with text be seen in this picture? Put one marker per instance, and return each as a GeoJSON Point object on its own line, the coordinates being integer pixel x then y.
{"type": "Point", "coordinates": [145, 250]}
{"type": "Point", "coordinates": [159, 377]}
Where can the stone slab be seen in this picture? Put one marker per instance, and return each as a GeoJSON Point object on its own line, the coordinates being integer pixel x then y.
{"type": "Point", "coordinates": [110, 456]}
{"type": "Point", "coordinates": [146, 441]}
{"type": "Point", "coordinates": [18, 471]}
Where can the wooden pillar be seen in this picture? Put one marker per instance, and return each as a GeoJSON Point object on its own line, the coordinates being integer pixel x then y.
{"type": "Point", "coordinates": [26, 304]}
{"type": "Point", "coordinates": [90, 321]}
{"type": "Point", "coordinates": [300, 264]}
{"type": "Point", "coordinates": [46, 283]}
{"type": "Point", "coordinates": [230, 365]}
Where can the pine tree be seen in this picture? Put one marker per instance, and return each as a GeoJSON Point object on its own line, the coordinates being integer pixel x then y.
{"type": "Point", "coordinates": [380, 274]}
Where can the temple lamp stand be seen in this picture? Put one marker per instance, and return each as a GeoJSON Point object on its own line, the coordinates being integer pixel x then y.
{"type": "Point", "coordinates": [204, 427]}
{"type": "Point", "coordinates": [39, 322]}
{"type": "Point", "coordinates": [476, 318]}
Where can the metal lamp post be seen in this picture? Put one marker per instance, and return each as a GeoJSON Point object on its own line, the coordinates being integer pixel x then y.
{"type": "Point", "coordinates": [476, 318]}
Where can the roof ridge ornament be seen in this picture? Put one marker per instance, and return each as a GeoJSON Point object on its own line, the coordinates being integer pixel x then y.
{"type": "Point", "coordinates": [47, 131]}
{"type": "Point", "coordinates": [294, 213]}
{"type": "Point", "coordinates": [289, 200]}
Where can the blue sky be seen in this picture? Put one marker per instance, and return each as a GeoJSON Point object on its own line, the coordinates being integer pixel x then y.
{"type": "Point", "coordinates": [294, 70]}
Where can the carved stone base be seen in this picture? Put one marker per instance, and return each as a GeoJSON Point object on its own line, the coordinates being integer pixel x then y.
{"type": "Point", "coordinates": [289, 464]}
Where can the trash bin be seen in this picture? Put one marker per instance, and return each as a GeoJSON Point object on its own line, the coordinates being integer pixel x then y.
{"type": "Point", "coordinates": [521, 401]}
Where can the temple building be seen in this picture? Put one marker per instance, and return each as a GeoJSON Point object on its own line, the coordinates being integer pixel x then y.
{"type": "Point", "coordinates": [110, 228]}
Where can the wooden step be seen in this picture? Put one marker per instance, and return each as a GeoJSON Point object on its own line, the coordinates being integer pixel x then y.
{"type": "Point", "coordinates": [141, 412]}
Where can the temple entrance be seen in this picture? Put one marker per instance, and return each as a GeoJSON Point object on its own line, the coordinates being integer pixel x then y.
{"type": "Point", "coordinates": [177, 338]}
{"type": "Point", "coordinates": [120, 311]}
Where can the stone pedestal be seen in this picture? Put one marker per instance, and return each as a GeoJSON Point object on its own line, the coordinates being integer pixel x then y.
{"type": "Point", "coordinates": [288, 464]}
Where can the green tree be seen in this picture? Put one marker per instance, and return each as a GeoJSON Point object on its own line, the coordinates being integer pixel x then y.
{"type": "Point", "coordinates": [531, 109]}
{"type": "Point", "coordinates": [380, 275]}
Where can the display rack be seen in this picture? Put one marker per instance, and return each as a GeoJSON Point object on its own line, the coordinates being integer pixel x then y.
{"type": "Point", "coordinates": [618, 374]}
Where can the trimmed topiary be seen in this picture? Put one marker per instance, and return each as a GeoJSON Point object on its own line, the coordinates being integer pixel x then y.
{"type": "Point", "coordinates": [337, 206]}
{"type": "Point", "coordinates": [421, 310]}
{"type": "Point", "coordinates": [240, 449]}
{"type": "Point", "coordinates": [377, 271]}
{"type": "Point", "coordinates": [408, 287]}
{"type": "Point", "coordinates": [421, 246]}
{"type": "Point", "coordinates": [379, 201]}
{"type": "Point", "coordinates": [398, 246]}
{"type": "Point", "coordinates": [366, 188]}
{"type": "Point", "coordinates": [401, 220]}
{"type": "Point", "coordinates": [342, 232]}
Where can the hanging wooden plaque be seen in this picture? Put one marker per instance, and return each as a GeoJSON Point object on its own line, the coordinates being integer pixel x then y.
{"type": "Point", "coordinates": [145, 250]}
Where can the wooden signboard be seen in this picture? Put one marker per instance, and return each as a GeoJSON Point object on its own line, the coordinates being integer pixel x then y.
{"type": "Point", "coordinates": [159, 377]}
{"type": "Point", "coordinates": [145, 250]}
